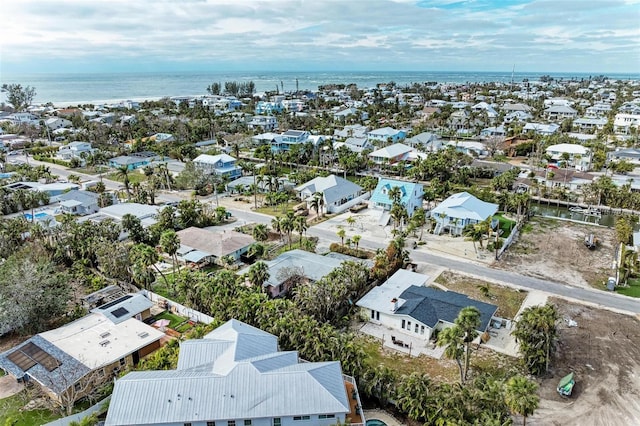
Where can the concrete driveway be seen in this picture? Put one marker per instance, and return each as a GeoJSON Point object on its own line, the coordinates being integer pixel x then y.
{"type": "Point", "coordinates": [9, 386]}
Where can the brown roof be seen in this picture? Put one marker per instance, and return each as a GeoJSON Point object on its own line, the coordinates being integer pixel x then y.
{"type": "Point", "coordinates": [218, 244]}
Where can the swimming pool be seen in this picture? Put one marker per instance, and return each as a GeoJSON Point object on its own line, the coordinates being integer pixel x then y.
{"type": "Point", "coordinates": [37, 216]}
{"type": "Point", "coordinates": [376, 422]}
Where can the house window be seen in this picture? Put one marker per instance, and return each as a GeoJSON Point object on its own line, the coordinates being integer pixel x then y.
{"type": "Point", "coordinates": [403, 322]}
{"type": "Point", "coordinates": [373, 314]}
{"type": "Point", "coordinates": [231, 423]}
{"type": "Point", "coordinates": [211, 423]}
{"type": "Point", "coordinates": [277, 421]}
{"type": "Point", "coordinates": [378, 315]}
{"type": "Point", "coordinates": [416, 329]}
{"type": "Point", "coordinates": [247, 422]}
{"type": "Point", "coordinates": [122, 362]}
{"type": "Point", "coordinates": [187, 424]}
{"type": "Point", "coordinates": [408, 325]}
{"type": "Point", "coordinates": [76, 387]}
{"type": "Point", "coordinates": [422, 329]}
{"type": "Point", "coordinates": [101, 372]}
{"type": "Point", "coordinates": [326, 416]}
{"type": "Point", "coordinates": [301, 417]}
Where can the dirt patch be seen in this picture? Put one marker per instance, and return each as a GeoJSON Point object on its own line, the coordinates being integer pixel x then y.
{"type": "Point", "coordinates": [9, 386]}
{"type": "Point", "coordinates": [555, 250]}
{"type": "Point", "coordinates": [507, 299]}
{"type": "Point", "coordinates": [603, 353]}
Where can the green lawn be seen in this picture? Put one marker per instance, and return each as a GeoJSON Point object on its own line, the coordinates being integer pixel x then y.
{"type": "Point", "coordinates": [175, 319]}
{"type": "Point", "coordinates": [506, 225]}
{"type": "Point", "coordinates": [280, 210]}
{"type": "Point", "coordinates": [10, 409]}
{"type": "Point", "coordinates": [633, 290]}
{"type": "Point", "coordinates": [134, 177]}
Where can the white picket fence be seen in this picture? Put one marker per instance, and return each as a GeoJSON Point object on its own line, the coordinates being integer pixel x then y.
{"type": "Point", "coordinates": [177, 308]}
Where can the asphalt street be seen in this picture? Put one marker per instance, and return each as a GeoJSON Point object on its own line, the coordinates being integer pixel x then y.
{"type": "Point", "coordinates": [612, 301]}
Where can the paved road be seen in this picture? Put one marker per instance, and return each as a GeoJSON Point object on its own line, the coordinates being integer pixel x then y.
{"type": "Point", "coordinates": [608, 300]}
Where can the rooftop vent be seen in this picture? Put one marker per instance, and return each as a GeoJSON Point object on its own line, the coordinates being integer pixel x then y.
{"type": "Point", "coordinates": [105, 335]}
{"type": "Point", "coordinates": [104, 343]}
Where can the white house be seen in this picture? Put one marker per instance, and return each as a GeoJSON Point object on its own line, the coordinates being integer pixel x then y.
{"type": "Point", "coordinates": [75, 150]}
{"type": "Point", "coordinates": [338, 194]}
{"type": "Point", "coordinates": [590, 123]}
{"type": "Point", "coordinates": [471, 148]}
{"type": "Point", "coordinates": [55, 123]}
{"type": "Point", "coordinates": [460, 210]}
{"type": "Point", "coordinates": [578, 156]}
{"type": "Point", "coordinates": [622, 123]}
{"type": "Point", "coordinates": [78, 202]}
{"type": "Point", "coordinates": [391, 154]}
{"type": "Point", "coordinates": [265, 123]}
{"type": "Point", "coordinates": [410, 312]}
{"type": "Point", "coordinates": [428, 141]}
{"type": "Point", "coordinates": [235, 375]}
{"type": "Point", "coordinates": [541, 129]}
{"type": "Point", "coordinates": [560, 112]}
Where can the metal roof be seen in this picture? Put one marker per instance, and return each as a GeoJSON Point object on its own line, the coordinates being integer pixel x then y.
{"type": "Point", "coordinates": [333, 187]}
{"type": "Point", "coordinates": [465, 206]}
{"type": "Point", "coordinates": [133, 303]}
{"type": "Point", "coordinates": [384, 186]}
{"type": "Point", "coordinates": [267, 384]}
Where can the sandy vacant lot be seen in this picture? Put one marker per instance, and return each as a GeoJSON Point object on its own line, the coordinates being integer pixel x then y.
{"type": "Point", "coordinates": [603, 353]}
{"type": "Point", "coordinates": [555, 250]}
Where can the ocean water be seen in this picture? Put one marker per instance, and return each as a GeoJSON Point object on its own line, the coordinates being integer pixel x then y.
{"type": "Point", "coordinates": [73, 88]}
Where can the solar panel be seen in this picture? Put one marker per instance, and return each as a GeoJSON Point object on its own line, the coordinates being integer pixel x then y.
{"type": "Point", "coordinates": [30, 354]}
{"type": "Point", "coordinates": [115, 302]}
{"type": "Point", "coordinates": [21, 360]}
{"type": "Point", "coordinates": [120, 312]}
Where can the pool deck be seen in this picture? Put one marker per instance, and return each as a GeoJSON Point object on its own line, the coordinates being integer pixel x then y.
{"type": "Point", "coordinates": [382, 415]}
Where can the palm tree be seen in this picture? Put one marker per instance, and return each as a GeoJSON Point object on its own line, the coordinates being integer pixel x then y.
{"type": "Point", "coordinates": [260, 232]}
{"type": "Point", "coordinates": [342, 233]}
{"type": "Point", "coordinates": [170, 243]}
{"type": "Point", "coordinates": [145, 256]}
{"type": "Point", "coordinates": [453, 339]}
{"type": "Point", "coordinates": [320, 203]}
{"type": "Point", "coordinates": [287, 225]}
{"type": "Point", "coordinates": [300, 225]}
{"type": "Point", "coordinates": [123, 172]}
{"type": "Point", "coordinates": [350, 221]}
{"type": "Point", "coordinates": [395, 195]}
{"type": "Point", "coordinates": [468, 321]}
{"type": "Point", "coordinates": [276, 224]}
{"type": "Point", "coordinates": [356, 240]}
{"type": "Point", "coordinates": [258, 274]}
{"type": "Point", "coordinates": [520, 396]}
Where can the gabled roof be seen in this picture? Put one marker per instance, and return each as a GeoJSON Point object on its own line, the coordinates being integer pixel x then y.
{"type": "Point", "coordinates": [429, 306]}
{"type": "Point", "coordinates": [392, 151]}
{"type": "Point", "coordinates": [380, 194]}
{"type": "Point", "coordinates": [133, 304]}
{"type": "Point", "coordinates": [235, 372]}
{"type": "Point", "coordinates": [465, 206]}
{"type": "Point", "coordinates": [213, 159]}
{"type": "Point", "coordinates": [216, 244]}
{"type": "Point", "coordinates": [333, 187]}
{"type": "Point", "coordinates": [384, 131]}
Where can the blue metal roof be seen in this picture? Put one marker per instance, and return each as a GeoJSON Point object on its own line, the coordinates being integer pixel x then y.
{"type": "Point", "coordinates": [380, 194]}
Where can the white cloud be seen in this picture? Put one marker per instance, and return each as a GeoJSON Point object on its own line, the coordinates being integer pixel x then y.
{"type": "Point", "coordinates": [272, 32]}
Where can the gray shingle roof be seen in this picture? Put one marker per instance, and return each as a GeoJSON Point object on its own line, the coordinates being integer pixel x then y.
{"type": "Point", "coordinates": [429, 305]}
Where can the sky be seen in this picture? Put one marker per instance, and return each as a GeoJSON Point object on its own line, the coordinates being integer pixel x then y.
{"type": "Point", "coordinates": [320, 35]}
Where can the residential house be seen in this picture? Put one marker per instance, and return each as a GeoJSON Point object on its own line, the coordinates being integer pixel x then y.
{"type": "Point", "coordinates": [134, 160]}
{"type": "Point", "coordinates": [71, 361]}
{"type": "Point", "coordinates": [460, 120]}
{"type": "Point", "coordinates": [235, 375]}
{"type": "Point", "coordinates": [408, 313]}
{"type": "Point", "coordinates": [560, 112]}
{"type": "Point", "coordinates": [354, 113]}
{"type": "Point", "coordinates": [269, 108]}
{"type": "Point", "coordinates": [471, 148]}
{"type": "Point", "coordinates": [518, 107]}
{"type": "Point", "coordinates": [460, 210]}
{"type": "Point", "coordinates": [221, 165]}
{"type": "Point", "coordinates": [541, 129]}
{"type": "Point", "coordinates": [354, 144]}
{"type": "Point", "coordinates": [54, 123]}
{"type": "Point", "coordinates": [577, 156]}
{"type": "Point", "coordinates": [391, 154]}
{"type": "Point", "coordinates": [590, 123]}
{"type": "Point", "coordinates": [146, 213]}
{"type": "Point", "coordinates": [292, 264]}
{"type": "Point", "coordinates": [569, 179]}
{"type": "Point", "coordinates": [495, 131]}
{"type": "Point", "coordinates": [623, 123]}
{"type": "Point", "coordinates": [267, 138]}
{"type": "Point", "coordinates": [428, 141]}
{"type": "Point", "coordinates": [288, 138]}
{"type": "Point", "coordinates": [52, 189]}
{"type": "Point", "coordinates": [78, 202]}
{"type": "Point", "coordinates": [521, 116]}
{"type": "Point", "coordinates": [386, 134]}
{"type": "Point", "coordinates": [411, 196]}
{"type": "Point", "coordinates": [338, 194]}
{"type": "Point", "coordinates": [598, 110]}
{"type": "Point", "coordinates": [352, 130]}
{"type": "Point", "coordinates": [265, 123]}
{"type": "Point", "coordinates": [631, 155]}
{"type": "Point", "coordinates": [200, 246]}
{"type": "Point", "coordinates": [78, 150]}
{"type": "Point", "coordinates": [483, 107]}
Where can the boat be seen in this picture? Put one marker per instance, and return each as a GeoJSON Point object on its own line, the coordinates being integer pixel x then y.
{"type": "Point", "coordinates": [565, 387]}
{"type": "Point", "coordinates": [576, 209]}
{"type": "Point", "coordinates": [592, 212]}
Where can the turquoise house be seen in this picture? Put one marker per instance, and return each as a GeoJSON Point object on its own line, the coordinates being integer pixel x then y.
{"type": "Point", "coordinates": [411, 199]}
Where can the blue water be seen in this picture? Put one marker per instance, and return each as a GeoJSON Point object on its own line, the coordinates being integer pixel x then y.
{"type": "Point", "coordinates": [91, 87]}
{"type": "Point", "coordinates": [376, 422]}
{"type": "Point", "coordinates": [5, 175]}
{"type": "Point", "coordinates": [38, 216]}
